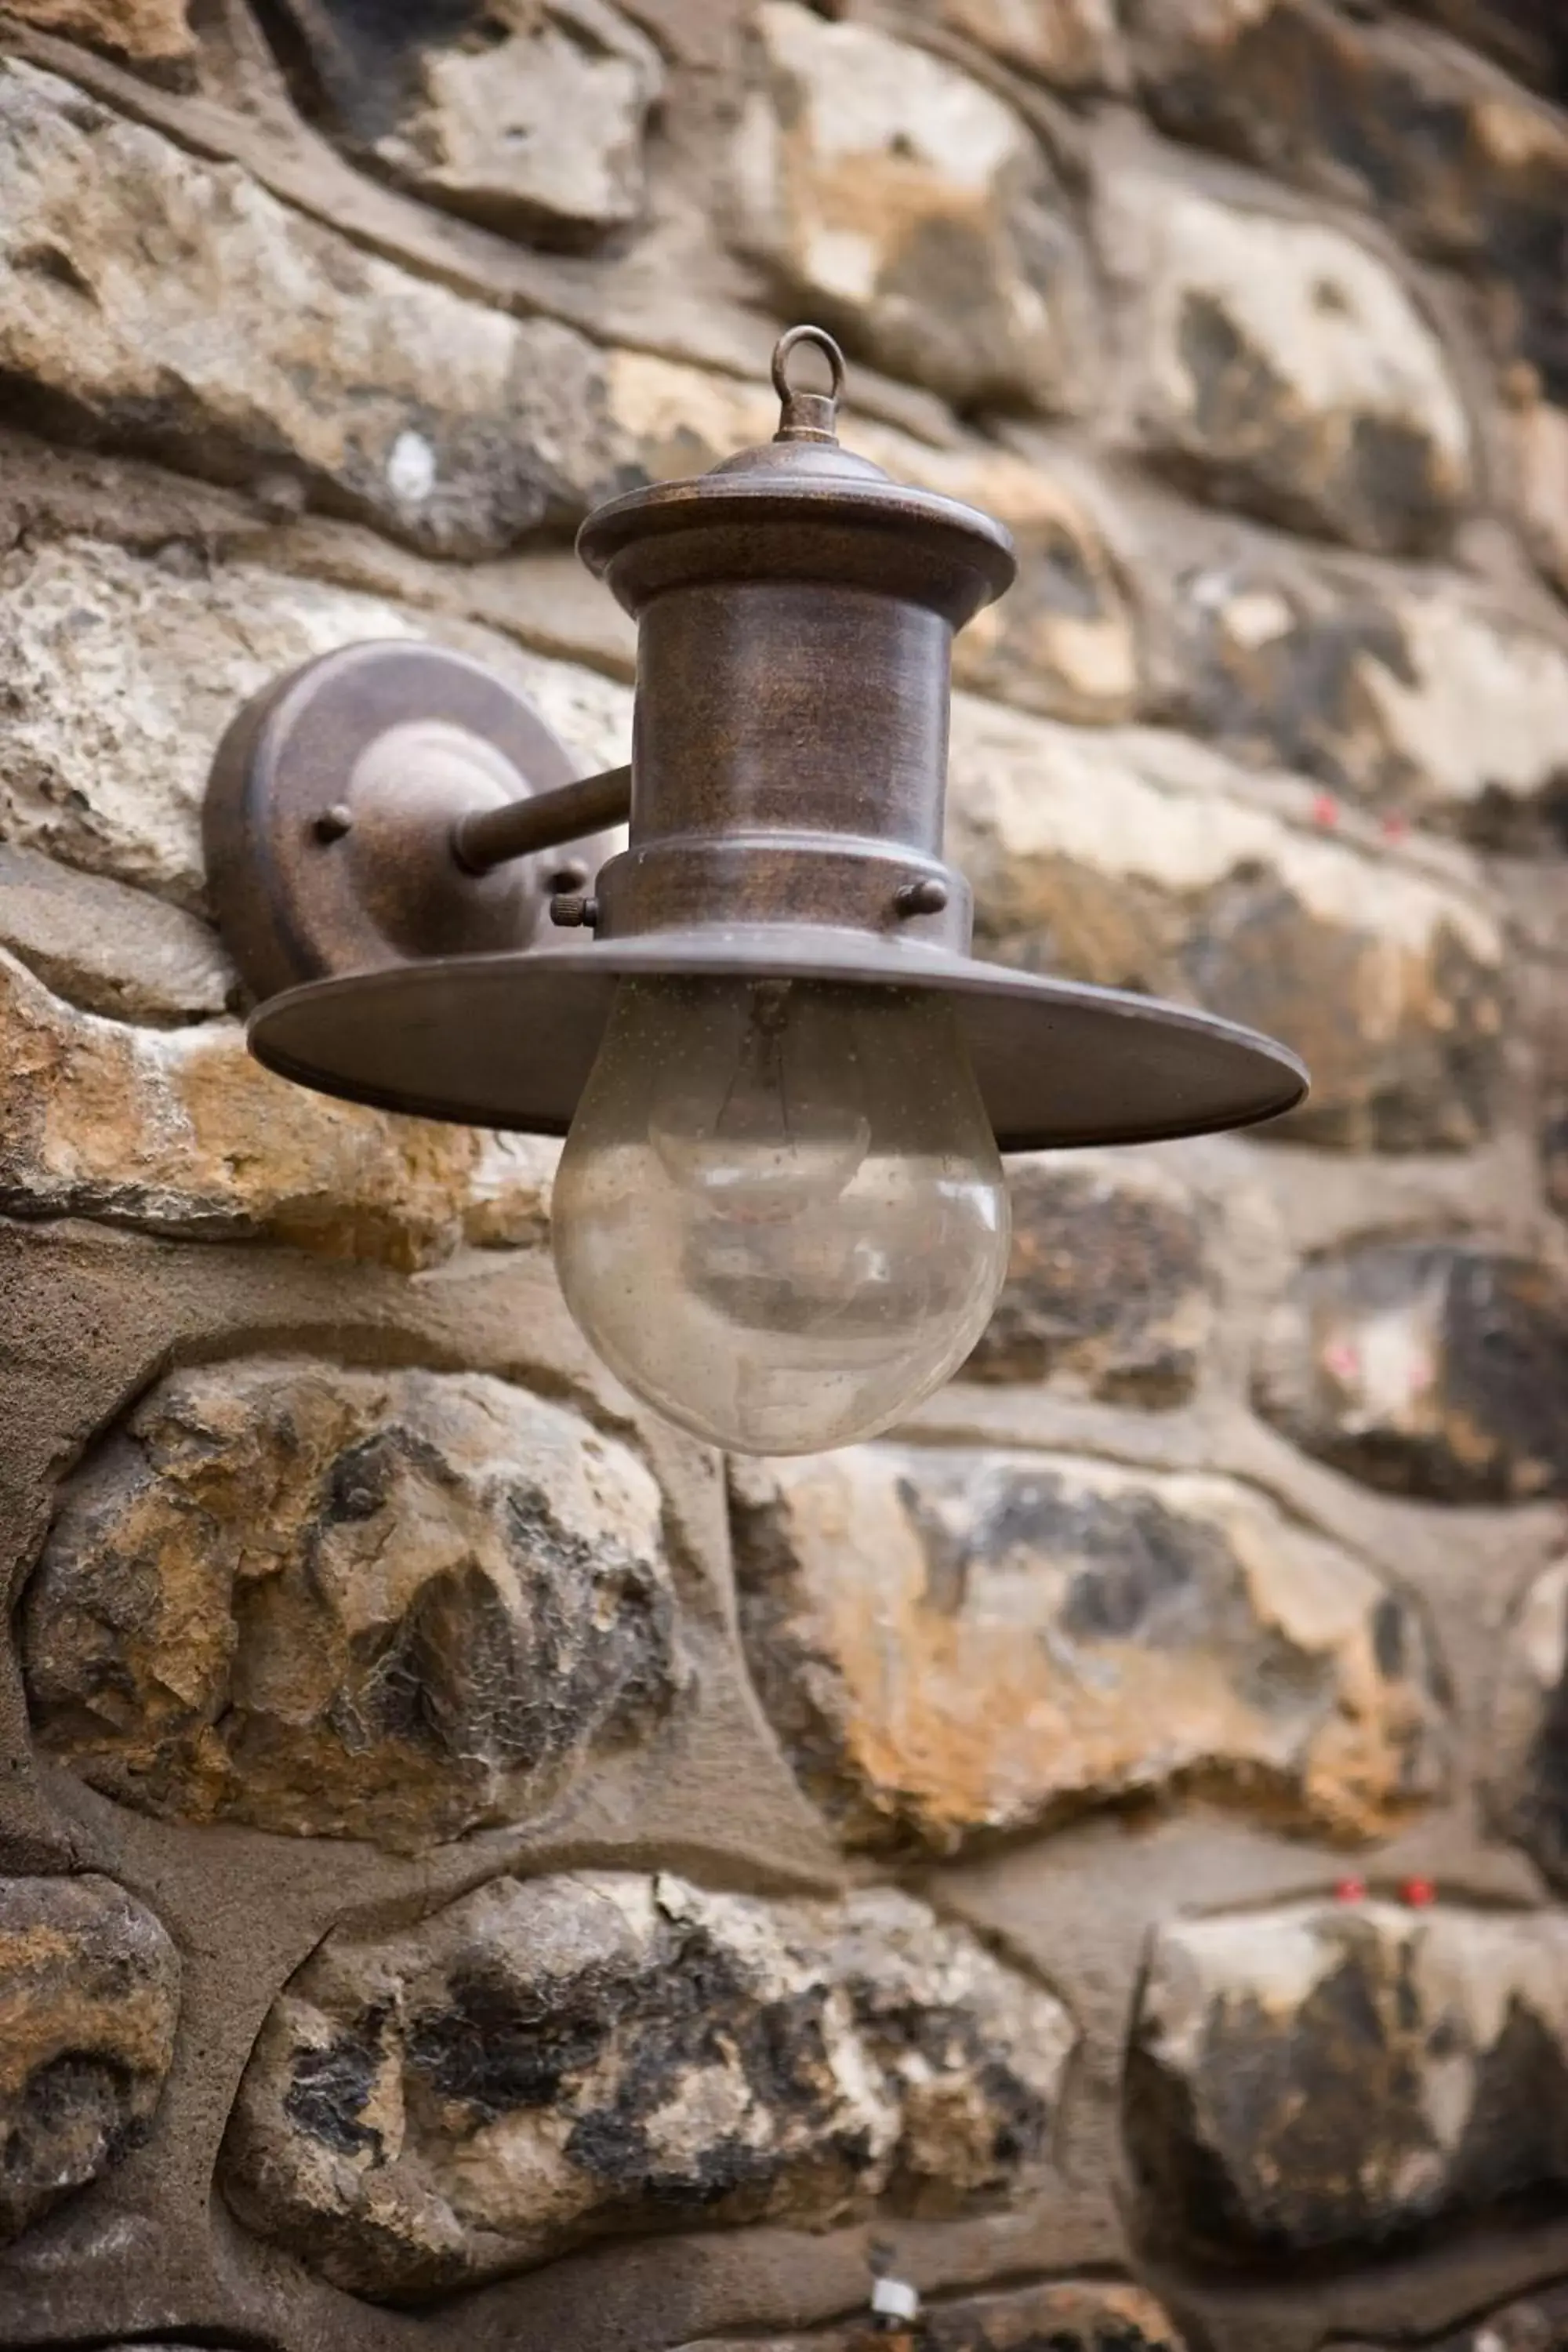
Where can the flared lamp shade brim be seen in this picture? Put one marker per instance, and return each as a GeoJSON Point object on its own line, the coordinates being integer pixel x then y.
{"type": "Point", "coordinates": [508, 1041]}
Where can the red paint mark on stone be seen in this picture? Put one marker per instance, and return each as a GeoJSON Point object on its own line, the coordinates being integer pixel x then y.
{"type": "Point", "coordinates": [1419, 1894]}
{"type": "Point", "coordinates": [1395, 828]}
{"type": "Point", "coordinates": [1350, 1890]}
{"type": "Point", "coordinates": [1325, 810]}
{"type": "Point", "coordinates": [1343, 1360]}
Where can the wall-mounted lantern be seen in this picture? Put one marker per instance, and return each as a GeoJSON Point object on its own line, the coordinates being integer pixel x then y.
{"type": "Point", "coordinates": [780, 1215]}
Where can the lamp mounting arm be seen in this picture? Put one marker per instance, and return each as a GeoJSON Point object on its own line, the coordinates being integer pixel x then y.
{"type": "Point", "coordinates": [487, 838]}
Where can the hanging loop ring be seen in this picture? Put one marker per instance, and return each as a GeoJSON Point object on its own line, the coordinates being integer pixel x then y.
{"type": "Point", "coordinates": [808, 415]}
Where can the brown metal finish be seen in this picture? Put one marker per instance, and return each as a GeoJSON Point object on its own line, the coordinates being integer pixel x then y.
{"type": "Point", "coordinates": [795, 612]}
{"type": "Point", "coordinates": [490, 837]}
{"type": "Point", "coordinates": [509, 1041]}
{"type": "Point", "coordinates": [332, 805]}
{"type": "Point", "coordinates": [842, 884]}
{"type": "Point", "coordinates": [786, 739]}
{"type": "Point", "coordinates": [808, 415]}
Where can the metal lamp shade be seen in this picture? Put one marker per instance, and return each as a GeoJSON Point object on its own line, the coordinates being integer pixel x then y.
{"type": "Point", "coordinates": [508, 1041]}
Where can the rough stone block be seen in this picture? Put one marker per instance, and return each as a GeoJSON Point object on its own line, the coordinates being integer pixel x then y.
{"type": "Point", "coordinates": [1426, 704]}
{"type": "Point", "coordinates": [1108, 1291]}
{"type": "Point", "coordinates": [1528, 1734]}
{"type": "Point", "coordinates": [109, 949]}
{"type": "Point", "coordinates": [913, 209]}
{"type": "Point", "coordinates": [1073, 43]}
{"type": "Point", "coordinates": [89, 1992]}
{"type": "Point", "coordinates": [953, 1645]}
{"type": "Point", "coordinates": [1529, 36]}
{"type": "Point", "coordinates": [395, 1605]}
{"type": "Point", "coordinates": [1324, 2078]}
{"type": "Point", "coordinates": [559, 2059]}
{"type": "Point", "coordinates": [1278, 365]}
{"type": "Point", "coordinates": [179, 1131]}
{"type": "Point", "coordinates": [121, 674]}
{"type": "Point", "coordinates": [1065, 2317]}
{"type": "Point", "coordinates": [1063, 640]}
{"type": "Point", "coordinates": [1142, 860]}
{"type": "Point", "coordinates": [1540, 459]}
{"type": "Point", "coordinates": [532, 118]}
{"type": "Point", "coordinates": [147, 32]}
{"type": "Point", "coordinates": [1465, 163]}
{"type": "Point", "coordinates": [1433, 1369]}
{"type": "Point", "coordinates": [156, 301]}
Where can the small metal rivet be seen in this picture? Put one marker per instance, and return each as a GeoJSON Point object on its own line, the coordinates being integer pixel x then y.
{"type": "Point", "coordinates": [334, 823]}
{"type": "Point", "coordinates": [571, 911]}
{"type": "Point", "coordinates": [926, 896]}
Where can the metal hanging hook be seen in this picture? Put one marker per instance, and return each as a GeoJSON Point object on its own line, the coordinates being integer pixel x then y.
{"type": "Point", "coordinates": [808, 415]}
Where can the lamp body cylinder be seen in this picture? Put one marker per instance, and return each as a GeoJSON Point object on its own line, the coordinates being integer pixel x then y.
{"type": "Point", "coordinates": [780, 1214]}
{"type": "Point", "coordinates": [789, 758]}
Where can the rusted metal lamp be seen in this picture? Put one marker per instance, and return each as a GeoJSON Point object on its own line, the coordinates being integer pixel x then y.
{"type": "Point", "coordinates": [780, 1214]}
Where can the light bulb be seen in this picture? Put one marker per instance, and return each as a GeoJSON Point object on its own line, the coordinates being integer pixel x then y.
{"type": "Point", "coordinates": [780, 1216]}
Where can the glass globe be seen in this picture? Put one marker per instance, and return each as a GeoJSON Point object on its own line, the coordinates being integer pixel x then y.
{"type": "Point", "coordinates": [780, 1216]}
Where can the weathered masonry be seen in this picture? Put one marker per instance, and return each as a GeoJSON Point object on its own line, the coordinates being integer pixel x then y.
{"type": "Point", "coordinates": [478, 1872]}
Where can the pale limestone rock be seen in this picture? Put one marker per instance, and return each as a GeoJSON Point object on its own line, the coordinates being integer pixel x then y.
{"type": "Point", "coordinates": [89, 1992]}
{"type": "Point", "coordinates": [107, 949]}
{"type": "Point", "coordinates": [1459, 163]}
{"type": "Point", "coordinates": [913, 209]}
{"type": "Point", "coordinates": [1284, 367]}
{"type": "Point", "coordinates": [953, 1645]}
{"type": "Point", "coordinates": [180, 1131]}
{"type": "Point", "coordinates": [1329, 2076]}
{"type": "Point", "coordinates": [148, 32]}
{"type": "Point", "coordinates": [1137, 859]}
{"type": "Point", "coordinates": [506, 1199]}
{"type": "Point", "coordinates": [122, 675]}
{"type": "Point", "coordinates": [169, 303]}
{"type": "Point", "coordinates": [1428, 702]}
{"type": "Point", "coordinates": [560, 2059]}
{"type": "Point", "coordinates": [1528, 1733]}
{"type": "Point", "coordinates": [1486, 710]}
{"type": "Point", "coordinates": [1541, 443]}
{"type": "Point", "coordinates": [1072, 43]}
{"type": "Point", "coordinates": [394, 1605]}
{"type": "Point", "coordinates": [539, 128]}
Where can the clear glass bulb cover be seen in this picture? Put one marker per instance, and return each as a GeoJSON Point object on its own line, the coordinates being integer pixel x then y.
{"type": "Point", "coordinates": [780, 1216]}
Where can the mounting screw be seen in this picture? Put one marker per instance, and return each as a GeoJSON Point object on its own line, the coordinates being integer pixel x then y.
{"type": "Point", "coordinates": [571, 911]}
{"type": "Point", "coordinates": [926, 896]}
{"type": "Point", "coordinates": [334, 823]}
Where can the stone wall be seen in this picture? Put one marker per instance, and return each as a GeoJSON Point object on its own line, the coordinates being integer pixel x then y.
{"type": "Point", "coordinates": [473, 1872]}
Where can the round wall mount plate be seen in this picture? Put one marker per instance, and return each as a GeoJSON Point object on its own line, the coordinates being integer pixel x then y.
{"type": "Point", "coordinates": [331, 806]}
